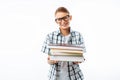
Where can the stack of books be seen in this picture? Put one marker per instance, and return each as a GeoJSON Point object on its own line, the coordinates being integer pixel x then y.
{"type": "Point", "coordinates": [65, 52]}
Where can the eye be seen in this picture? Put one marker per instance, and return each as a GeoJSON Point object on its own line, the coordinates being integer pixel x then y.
{"type": "Point", "coordinates": [63, 18]}
{"type": "Point", "coordinates": [59, 19]}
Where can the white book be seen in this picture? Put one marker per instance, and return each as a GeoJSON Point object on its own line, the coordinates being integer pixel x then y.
{"type": "Point", "coordinates": [65, 46]}
{"type": "Point", "coordinates": [67, 58]}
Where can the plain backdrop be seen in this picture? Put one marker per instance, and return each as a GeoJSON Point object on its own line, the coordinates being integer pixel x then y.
{"type": "Point", "coordinates": [24, 25]}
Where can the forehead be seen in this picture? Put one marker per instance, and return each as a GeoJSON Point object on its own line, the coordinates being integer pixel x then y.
{"type": "Point", "coordinates": [60, 14]}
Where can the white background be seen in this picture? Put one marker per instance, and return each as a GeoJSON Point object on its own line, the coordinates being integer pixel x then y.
{"type": "Point", "coordinates": [25, 23]}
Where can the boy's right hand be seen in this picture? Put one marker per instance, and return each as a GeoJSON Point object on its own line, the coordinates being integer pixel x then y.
{"type": "Point", "coordinates": [51, 61]}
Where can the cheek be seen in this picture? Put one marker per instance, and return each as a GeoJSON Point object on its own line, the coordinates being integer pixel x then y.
{"type": "Point", "coordinates": [58, 24]}
{"type": "Point", "coordinates": [67, 23]}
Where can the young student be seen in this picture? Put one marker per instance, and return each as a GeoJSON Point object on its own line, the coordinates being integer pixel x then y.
{"type": "Point", "coordinates": [63, 70]}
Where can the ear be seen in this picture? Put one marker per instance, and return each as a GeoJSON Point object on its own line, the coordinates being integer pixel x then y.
{"type": "Point", "coordinates": [70, 17]}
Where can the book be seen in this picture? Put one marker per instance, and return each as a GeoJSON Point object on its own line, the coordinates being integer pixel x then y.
{"type": "Point", "coordinates": [66, 51]}
{"type": "Point", "coordinates": [66, 54]}
{"type": "Point", "coordinates": [67, 58]}
{"type": "Point", "coordinates": [65, 46]}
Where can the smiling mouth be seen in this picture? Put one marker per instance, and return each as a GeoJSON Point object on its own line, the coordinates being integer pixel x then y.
{"type": "Point", "coordinates": [64, 25]}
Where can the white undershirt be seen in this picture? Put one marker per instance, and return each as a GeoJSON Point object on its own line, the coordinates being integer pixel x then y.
{"type": "Point", "coordinates": [63, 74]}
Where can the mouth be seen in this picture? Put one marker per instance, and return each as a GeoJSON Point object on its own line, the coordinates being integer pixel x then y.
{"type": "Point", "coordinates": [64, 25]}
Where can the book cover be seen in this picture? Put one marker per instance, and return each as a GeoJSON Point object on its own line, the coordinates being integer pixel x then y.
{"type": "Point", "coordinates": [65, 46]}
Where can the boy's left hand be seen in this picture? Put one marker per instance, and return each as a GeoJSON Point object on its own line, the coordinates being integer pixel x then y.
{"type": "Point", "coordinates": [77, 62]}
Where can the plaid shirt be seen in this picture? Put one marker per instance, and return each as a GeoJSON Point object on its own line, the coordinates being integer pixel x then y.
{"type": "Point", "coordinates": [74, 71]}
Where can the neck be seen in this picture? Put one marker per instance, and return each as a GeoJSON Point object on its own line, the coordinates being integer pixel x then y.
{"type": "Point", "coordinates": [65, 32]}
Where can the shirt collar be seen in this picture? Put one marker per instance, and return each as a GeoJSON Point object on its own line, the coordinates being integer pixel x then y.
{"type": "Point", "coordinates": [58, 32]}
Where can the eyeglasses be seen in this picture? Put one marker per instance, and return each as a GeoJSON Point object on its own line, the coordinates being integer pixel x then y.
{"type": "Point", "coordinates": [65, 18]}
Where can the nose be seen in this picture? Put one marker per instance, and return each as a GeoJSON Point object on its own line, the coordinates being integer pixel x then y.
{"type": "Point", "coordinates": [62, 20]}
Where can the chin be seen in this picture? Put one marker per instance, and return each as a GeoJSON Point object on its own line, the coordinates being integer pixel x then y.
{"type": "Point", "coordinates": [64, 27]}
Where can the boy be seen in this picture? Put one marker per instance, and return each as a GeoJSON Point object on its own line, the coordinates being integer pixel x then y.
{"type": "Point", "coordinates": [63, 70]}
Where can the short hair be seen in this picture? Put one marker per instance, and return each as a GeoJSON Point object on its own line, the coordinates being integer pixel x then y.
{"type": "Point", "coordinates": [61, 9]}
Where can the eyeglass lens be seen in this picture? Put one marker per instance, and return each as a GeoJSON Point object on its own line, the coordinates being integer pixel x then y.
{"type": "Point", "coordinates": [63, 18]}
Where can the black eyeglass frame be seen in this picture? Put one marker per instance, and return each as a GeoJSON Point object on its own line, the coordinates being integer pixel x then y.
{"type": "Point", "coordinates": [65, 18]}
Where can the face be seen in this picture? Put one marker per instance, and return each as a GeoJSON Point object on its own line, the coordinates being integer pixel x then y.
{"type": "Point", "coordinates": [63, 20]}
